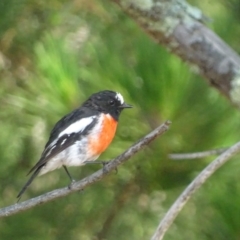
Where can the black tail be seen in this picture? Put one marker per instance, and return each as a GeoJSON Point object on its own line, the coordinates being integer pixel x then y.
{"type": "Point", "coordinates": [28, 183]}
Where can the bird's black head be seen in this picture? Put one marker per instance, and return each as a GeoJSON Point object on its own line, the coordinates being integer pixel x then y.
{"type": "Point", "coordinates": [107, 102]}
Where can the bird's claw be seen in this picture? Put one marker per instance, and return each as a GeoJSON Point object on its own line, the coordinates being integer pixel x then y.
{"type": "Point", "coordinates": [105, 163]}
{"type": "Point", "coordinates": [104, 167]}
{"type": "Point", "coordinates": [71, 183]}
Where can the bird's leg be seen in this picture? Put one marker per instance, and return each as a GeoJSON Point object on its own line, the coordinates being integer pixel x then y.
{"type": "Point", "coordinates": [69, 175]}
{"type": "Point", "coordinates": [104, 163]}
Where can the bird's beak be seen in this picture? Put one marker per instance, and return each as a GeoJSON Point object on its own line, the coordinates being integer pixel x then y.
{"type": "Point", "coordinates": [125, 105]}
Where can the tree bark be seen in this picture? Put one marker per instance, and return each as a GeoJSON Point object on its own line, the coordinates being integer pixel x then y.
{"type": "Point", "coordinates": [87, 181]}
{"type": "Point", "coordinates": [181, 29]}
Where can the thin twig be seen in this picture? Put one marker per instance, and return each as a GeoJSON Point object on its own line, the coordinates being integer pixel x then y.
{"type": "Point", "coordinates": [97, 176]}
{"type": "Point", "coordinates": [192, 187]}
{"type": "Point", "coordinates": [192, 156]}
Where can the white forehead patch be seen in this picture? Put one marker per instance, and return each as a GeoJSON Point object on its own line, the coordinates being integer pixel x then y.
{"type": "Point", "coordinates": [119, 97]}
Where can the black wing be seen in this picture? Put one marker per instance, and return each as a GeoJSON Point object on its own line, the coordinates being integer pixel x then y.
{"type": "Point", "coordinates": [67, 120]}
{"type": "Point", "coordinates": [56, 145]}
{"type": "Point", "coordinates": [62, 143]}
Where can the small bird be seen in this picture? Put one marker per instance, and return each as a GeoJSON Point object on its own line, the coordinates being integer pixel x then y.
{"type": "Point", "coordinates": [80, 136]}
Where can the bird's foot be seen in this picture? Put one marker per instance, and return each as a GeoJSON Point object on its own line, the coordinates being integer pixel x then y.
{"type": "Point", "coordinates": [71, 183]}
{"type": "Point", "coordinates": [104, 166]}
{"type": "Point", "coordinates": [105, 169]}
{"type": "Point", "coordinates": [97, 162]}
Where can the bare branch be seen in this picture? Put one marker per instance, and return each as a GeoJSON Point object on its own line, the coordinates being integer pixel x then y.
{"type": "Point", "coordinates": [97, 176]}
{"type": "Point", "coordinates": [192, 187]}
{"type": "Point", "coordinates": [192, 156]}
{"type": "Point", "coordinates": [180, 28]}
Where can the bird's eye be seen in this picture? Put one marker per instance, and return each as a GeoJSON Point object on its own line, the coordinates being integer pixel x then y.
{"type": "Point", "coordinates": [111, 102]}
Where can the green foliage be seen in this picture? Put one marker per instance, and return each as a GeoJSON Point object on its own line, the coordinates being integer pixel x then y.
{"type": "Point", "coordinates": [53, 62]}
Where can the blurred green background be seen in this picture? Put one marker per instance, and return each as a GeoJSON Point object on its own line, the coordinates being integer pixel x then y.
{"type": "Point", "coordinates": [53, 55]}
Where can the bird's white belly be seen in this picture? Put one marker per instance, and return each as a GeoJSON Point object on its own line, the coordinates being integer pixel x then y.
{"type": "Point", "coordinates": [75, 155]}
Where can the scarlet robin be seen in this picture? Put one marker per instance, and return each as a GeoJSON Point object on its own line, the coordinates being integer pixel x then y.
{"type": "Point", "coordinates": [80, 136]}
